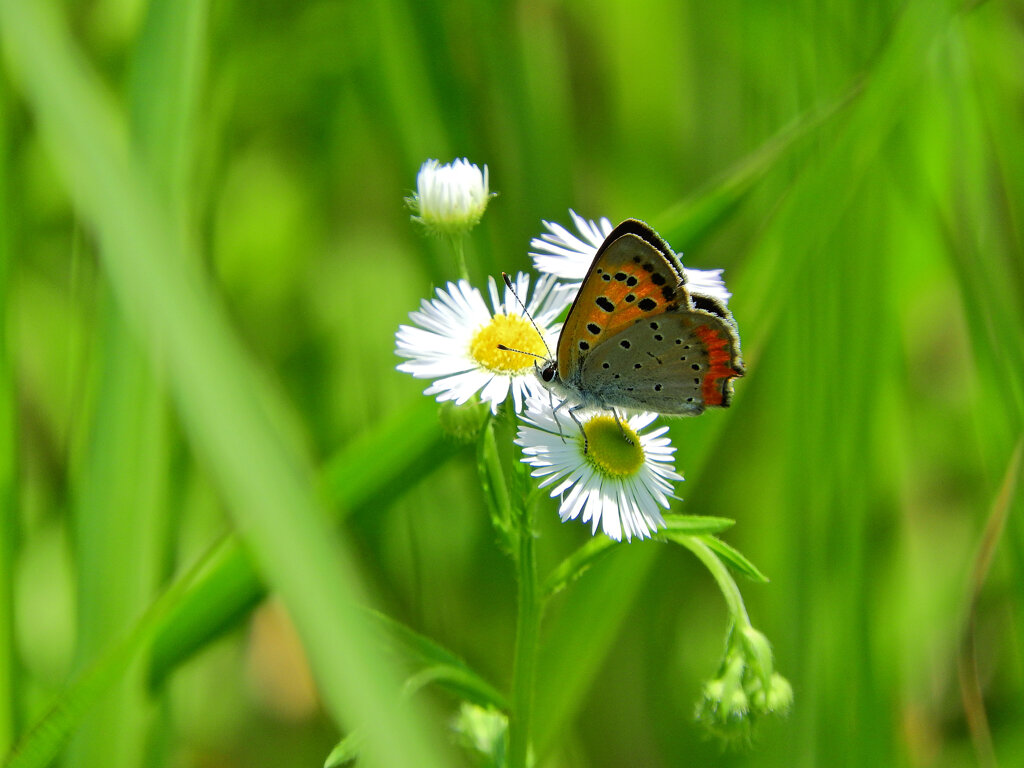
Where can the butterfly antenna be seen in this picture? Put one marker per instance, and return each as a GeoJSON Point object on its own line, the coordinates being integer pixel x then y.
{"type": "Point", "coordinates": [526, 313]}
{"type": "Point", "coordinates": [503, 348]}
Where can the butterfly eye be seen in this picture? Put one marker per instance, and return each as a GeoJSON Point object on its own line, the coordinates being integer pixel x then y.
{"type": "Point", "coordinates": [548, 373]}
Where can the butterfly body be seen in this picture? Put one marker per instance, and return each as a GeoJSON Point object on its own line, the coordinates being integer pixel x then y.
{"type": "Point", "coordinates": [636, 338]}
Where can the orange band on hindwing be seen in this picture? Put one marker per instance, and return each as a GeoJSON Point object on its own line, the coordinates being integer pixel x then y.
{"type": "Point", "coordinates": [719, 365]}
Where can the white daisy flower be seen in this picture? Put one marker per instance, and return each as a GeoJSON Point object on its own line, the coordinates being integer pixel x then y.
{"type": "Point", "coordinates": [618, 485]}
{"type": "Point", "coordinates": [559, 252]}
{"type": "Point", "coordinates": [450, 198]}
{"type": "Point", "coordinates": [455, 340]}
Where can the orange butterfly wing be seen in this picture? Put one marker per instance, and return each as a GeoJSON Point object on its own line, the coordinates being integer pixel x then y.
{"type": "Point", "coordinates": [634, 275]}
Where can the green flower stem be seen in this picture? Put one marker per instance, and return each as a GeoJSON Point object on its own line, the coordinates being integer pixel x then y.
{"type": "Point", "coordinates": [459, 247]}
{"type": "Point", "coordinates": [527, 633]}
{"type": "Point", "coordinates": [512, 507]}
{"type": "Point", "coordinates": [721, 574]}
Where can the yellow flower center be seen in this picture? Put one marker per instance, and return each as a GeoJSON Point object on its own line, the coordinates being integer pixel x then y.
{"type": "Point", "coordinates": [609, 451]}
{"type": "Point", "coordinates": [514, 332]}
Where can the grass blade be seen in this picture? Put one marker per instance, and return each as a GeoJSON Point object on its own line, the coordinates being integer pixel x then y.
{"type": "Point", "coordinates": [8, 452]}
{"type": "Point", "coordinates": [223, 400]}
{"type": "Point", "coordinates": [366, 474]}
{"type": "Point", "coordinates": [119, 539]}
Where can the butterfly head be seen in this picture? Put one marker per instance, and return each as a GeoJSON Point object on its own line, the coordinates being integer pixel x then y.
{"type": "Point", "coordinates": [569, 391]}
{"type": "Point", "coordinates": [548, 371]}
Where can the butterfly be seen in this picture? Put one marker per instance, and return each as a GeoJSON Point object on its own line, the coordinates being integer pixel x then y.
{"type": "Point", "coordinates": [636, 338]}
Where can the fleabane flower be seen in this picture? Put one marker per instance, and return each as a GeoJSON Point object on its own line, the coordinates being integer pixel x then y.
{"type": "Point", "coordinates": [455, 340]}
{"type": "Point", "coordinates": [450, 199]}
{"type": "Point", "coordinates": [561, 253]}
{"type": "Point", "coordinates": [604, 479]}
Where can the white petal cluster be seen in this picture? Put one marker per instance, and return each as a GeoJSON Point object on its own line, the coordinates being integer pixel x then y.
{"type": "Point", "coordinates": [621, 506]}
{"type": "Point", "coordinates": [450, 199]}
{"type": "Point", "coordinates": [439, 343]}
{"type": "Point", "coordinates": [559, 252]}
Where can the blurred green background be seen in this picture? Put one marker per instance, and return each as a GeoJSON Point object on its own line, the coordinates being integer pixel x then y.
{"type": "Point", "coordinates": [857, 169]}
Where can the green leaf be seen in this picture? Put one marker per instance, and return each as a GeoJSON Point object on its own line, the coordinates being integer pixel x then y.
{"type": "Point", "coordinates": [346, 752]}
{"type": "Point", "coordinates": [695, 525]}
{"type": "Point", "coordinates": [460, 681]}
{"type": "Point", "coordinates": [491, 471]}
{"type": "Point", "coordinates": [451, 670]}
{"type": "Point", "coordinates": [576, 564]}
{"type": "Point", "coordinates": [735, 558]}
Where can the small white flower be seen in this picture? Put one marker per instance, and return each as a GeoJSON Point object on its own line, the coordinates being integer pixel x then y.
{"type": "Point", "coordinates": [559, 252]}
{"type": "Point", "coordinates": [565, 255]}
{"type": "Point", "coordinates": [621, 486]}
{"type": "Point", "coordinates": [455, 340]}
{"type": "Point", "coordinates": [450, 198]}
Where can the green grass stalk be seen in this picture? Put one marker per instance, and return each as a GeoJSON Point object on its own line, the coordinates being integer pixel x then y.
{"type": "Point", "coordinates": [8, 453]}
{"type": "Point", "coordinates": [224, 401]}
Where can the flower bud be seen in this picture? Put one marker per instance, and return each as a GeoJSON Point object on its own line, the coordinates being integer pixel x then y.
{"type": "Point", "coordinates": [450, 199]}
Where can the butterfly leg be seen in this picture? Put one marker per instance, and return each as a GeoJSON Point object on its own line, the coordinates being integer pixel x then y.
{"type": "Point", "coordinates": [554, 412]}
{"type": "Point", "coordinates": [586, 441]}
{"type": "Point", "coordinates": [622, 429]}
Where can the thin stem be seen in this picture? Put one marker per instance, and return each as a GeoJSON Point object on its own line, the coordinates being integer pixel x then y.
{"type": "Point", "coordinates": [721, 574]}
{"type": "Point", "coordinates": [513, 505]}
{"type": "Point", "coordinates": [459, 246]}
{"type": "Point", "coordinates": [527, 633]}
